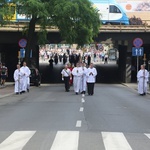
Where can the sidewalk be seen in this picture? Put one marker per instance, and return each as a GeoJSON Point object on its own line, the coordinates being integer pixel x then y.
{"type": "Point", "coordinates": [131, 85]}
{"type": "Point", "coordinates": [7, 90]}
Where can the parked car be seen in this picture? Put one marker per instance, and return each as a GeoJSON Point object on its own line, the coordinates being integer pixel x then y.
{"type": "Point", "coordinates": [35, 77]}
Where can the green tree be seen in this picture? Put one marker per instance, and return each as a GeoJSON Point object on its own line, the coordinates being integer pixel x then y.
{"type": "Point", "coordinates": [78, 22]}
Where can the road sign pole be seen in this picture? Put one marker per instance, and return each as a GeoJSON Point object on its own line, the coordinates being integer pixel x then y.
{"type": "Point", "coordinates": [137, 63]}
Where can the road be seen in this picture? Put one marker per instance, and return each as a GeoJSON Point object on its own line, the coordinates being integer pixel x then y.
{"type": "Point", "coordinates": [48, 118]}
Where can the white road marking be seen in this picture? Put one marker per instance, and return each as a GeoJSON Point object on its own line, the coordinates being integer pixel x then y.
{"type": "Point", "coordinates": [82, 100]}
{"type": "Point", "coordinates": [66, 140]}
{"type": "Point", "coordinates": [17, 140]}
{"type": "Point", "coordinates": [115, 141]}
{"type": "Point", "coordinates": [81, 108]}
{"type": "Point", "coordinates": [83, 95]}
{"type": "Point", "coordinates": [79, 123]}
{"type": "Point", "coordinates": [148, 135]}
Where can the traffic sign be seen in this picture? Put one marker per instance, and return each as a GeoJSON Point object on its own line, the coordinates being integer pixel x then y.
{"type": "Point", "coordinates": [137, 42]}
{"type": "Point", "coordinates": [22, 43]}
{"type": "Point", "coordinates": [22, 53]}
{"type": "Point", "coordinates": [137, 51]}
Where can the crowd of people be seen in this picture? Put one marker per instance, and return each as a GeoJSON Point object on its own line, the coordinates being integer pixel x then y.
{"type": "Point", "coordinates": [83, 78]}
{"type": "Point", "coordinates": [61, 56]}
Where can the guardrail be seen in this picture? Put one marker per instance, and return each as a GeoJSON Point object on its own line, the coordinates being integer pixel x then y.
{"type": "Point", "coordinates": [125, 28]}
{"type": "Point", "coordinates": [18, 27]}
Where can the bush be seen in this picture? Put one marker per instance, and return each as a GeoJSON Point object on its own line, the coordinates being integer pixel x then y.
{"type": "Point", "coordinates": [136, 21]}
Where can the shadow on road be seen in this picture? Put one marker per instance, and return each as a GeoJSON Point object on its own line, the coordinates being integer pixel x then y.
{"type": "Point", "coordinates": [107, 73]}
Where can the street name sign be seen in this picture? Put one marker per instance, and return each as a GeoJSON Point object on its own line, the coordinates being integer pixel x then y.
{"type": "Point", "coordinates": [137, 51]}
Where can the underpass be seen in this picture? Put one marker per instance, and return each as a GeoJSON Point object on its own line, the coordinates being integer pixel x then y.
{"type": "Point", "coordinates": [120, 36]}
{"type": "Point", "coordinates": [107, 73]}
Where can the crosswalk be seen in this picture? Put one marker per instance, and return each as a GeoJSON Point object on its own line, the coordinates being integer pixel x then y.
{"type": "Point", "coordinates": [73, 140]}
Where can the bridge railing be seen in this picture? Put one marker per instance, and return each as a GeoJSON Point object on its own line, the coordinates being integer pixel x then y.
{"type": "Point", "coordinates": [19, 26]}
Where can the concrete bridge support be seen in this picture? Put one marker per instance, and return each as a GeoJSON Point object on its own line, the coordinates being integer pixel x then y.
{"type": "Point", "coordinates": [124, 62]}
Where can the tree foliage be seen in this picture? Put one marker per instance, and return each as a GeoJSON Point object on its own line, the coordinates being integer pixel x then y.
{"type": "Point", "coordinates": [77, 21]}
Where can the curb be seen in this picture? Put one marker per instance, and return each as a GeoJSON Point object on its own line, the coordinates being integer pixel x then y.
{"type": "Point", "coordinates": [7, 85]}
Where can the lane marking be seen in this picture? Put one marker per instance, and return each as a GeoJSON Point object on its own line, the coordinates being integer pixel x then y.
{"type": "Point", "coordinates": [82, 100]}
{"type": "Point", "coordinates": [81, 109]}
{"type": "Point", "coordinates": [79, 123]}
{"type": "Point", "coordinates": [17, 140]}
{"type": "Point", "coordinates": [66, 140]}
{"type": "Point", "coordinates": [115, 141]}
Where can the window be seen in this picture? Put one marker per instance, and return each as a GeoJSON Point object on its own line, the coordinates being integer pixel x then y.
{"type": "Point", "coordinates": [12, 9]}
{"type": "Point", "coordinates": [114, 9]}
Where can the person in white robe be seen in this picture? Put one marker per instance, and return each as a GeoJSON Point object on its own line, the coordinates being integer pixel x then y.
{"type": "Point", "coordinates": [18, 80]}
{"type": "Point", "coordinates": [26, 77]}
{"type": "Point", "coordinates": [142, 79]}
{"type": "Point", "coordinates": [91, 79]}
{"type": "Point", "coordinates": [77, 73]}
{"type": "Point", "coordinates": [83, 84]}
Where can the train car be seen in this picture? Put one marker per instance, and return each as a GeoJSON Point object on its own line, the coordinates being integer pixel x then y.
{"type": "Point", "coordinates": [10, 9]}
{"type": "Point", "coordinates": [110, 12]}
{"type": "Point", "coordinates": [21, 17]}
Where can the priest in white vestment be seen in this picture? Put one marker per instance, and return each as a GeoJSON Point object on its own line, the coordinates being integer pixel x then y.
{"type": "Point", "coordinates": [18, 80]}
{"type": "Point", "coordinates": [77, 73]}
{"type": "Point", "coordinates": [142, 79]}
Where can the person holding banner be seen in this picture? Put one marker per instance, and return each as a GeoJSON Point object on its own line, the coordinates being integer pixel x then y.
{"type": "Point", "coordinates": [142, 79]}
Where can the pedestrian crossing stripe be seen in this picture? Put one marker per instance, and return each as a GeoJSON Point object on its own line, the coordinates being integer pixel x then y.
{"type": "Point", "coordinates": [115, 141]}
{"type": "Point", "coordinates": [16, 140]}
{"type": "Point", "coordinates": [69, 140]}
{"type": "Point", "coordinates": [148, 135]}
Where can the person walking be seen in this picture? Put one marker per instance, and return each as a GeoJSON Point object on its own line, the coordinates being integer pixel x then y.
{"type": "Point", "coordinates": [51, 63]}
{"type": "Point", "coordinates": [77, 74]}
{"type": "Point", "coordinates": [83, 84]}
{"type": "Point", "coordinates": [66, 75]}
{"type": "Point", "coordinates": [106, 58]}
{"type": "Point", "coordinates": [70, 66]}
{"type": "Point", "coordinates": [91, 78]}
{"type": "Point", "coordinates": [26, 77]}
{"type": "Point", "coordinates": [18, 80]}
{"type": "Point", "coordinates": [4, 74]}
{"type": "Point", "coordinates": [142, 79]}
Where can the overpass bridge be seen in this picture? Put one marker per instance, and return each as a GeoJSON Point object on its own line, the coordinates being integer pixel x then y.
{"type": "Point", "coordinates": [18, 27]}
{"type": "Point", "coordinates": [121, 36]}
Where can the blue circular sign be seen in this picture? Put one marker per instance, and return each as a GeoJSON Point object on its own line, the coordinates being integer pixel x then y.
{"type": "Point", "coordinates": [137, 42]}
{"type": "Point", "coordinates": [22, 43]}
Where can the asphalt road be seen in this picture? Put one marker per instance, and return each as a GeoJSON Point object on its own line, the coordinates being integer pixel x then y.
{"type": "Point", "coordinates": [48, 118]}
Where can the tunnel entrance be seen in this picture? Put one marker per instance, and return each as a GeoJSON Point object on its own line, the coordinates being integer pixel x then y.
{"type": "Point", "coordinates": [56, 53]}
{"type": "Point", "coordinates": [9, 56]}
